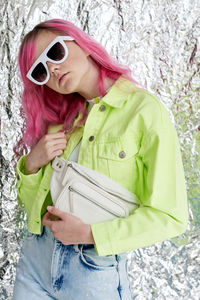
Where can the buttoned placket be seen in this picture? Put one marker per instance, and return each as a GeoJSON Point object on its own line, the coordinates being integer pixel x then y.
{"type": "Point", "coordinates": [91, 132]}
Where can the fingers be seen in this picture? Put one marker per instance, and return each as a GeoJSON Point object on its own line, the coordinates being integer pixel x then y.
{"type": "Point", "coordinates": [51, 221]}
{"type": "Point", "coordinates": [54, 144]}
{"type": "Point", "coordinates": [45, 220]}
{"type": "Point", "coordinates": [57, 135]}
{"type": "Point", "coordinates": [48, 147]}
{"type": "Point", "coordinates": [51, 148]}
{"type": "Point", "coordinates": [57, 150]}
{"type": "Point", "coordinates": [59, 144]}
{"type": "Point", "coordinates": [56, 212]}
{"type": "Point", "coordinates": [53, 141]}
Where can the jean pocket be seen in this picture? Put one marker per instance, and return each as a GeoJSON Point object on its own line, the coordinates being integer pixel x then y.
{"type": "Point", "coordinates": [91, 259]}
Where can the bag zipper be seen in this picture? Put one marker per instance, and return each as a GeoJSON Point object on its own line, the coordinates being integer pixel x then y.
{"type": "Point", "coordinates": [93, 201]}
{"type": "Point", "coordinates": [70, 165]}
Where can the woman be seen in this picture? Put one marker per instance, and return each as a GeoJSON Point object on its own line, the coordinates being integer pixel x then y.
{"type": "Point", "coordinates": [84, 106]}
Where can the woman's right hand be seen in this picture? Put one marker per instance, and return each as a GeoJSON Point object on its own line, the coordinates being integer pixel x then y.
{"type": "Point", "coordinates": [48, 147]}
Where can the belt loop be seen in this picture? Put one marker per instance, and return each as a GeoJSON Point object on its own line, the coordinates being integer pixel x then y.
{"type": "Point", "coordinates": [76, 248]}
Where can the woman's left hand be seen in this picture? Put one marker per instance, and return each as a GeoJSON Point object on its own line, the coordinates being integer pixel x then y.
{"type": "Point", "coordinates": [68, 229]}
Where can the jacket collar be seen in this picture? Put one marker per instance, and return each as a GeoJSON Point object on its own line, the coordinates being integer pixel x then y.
{"type": "Point", "coordinates": [115, 97]}
{"type": "Point", "coordinates": [119, 92]}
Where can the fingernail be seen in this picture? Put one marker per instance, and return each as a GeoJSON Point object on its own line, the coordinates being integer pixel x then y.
{"type": "Point", "coordinates": [49, 208]}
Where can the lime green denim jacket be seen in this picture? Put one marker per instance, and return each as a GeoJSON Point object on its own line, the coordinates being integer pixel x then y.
{"type": "Point", "coordinates": [130, 120]}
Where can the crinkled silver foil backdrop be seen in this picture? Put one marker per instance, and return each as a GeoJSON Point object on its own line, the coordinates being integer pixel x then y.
{"type": "Point", "coordinates": [160, 41]}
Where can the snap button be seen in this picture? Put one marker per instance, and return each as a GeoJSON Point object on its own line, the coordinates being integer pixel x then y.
{"type": "Point", "coordinates": [36, 221]}
{"type": "Point", "coordinates": [122, 154]}
{"type": "Point", "coordinates": [91, 138]}
{"type": "Point", "coordinates": [102, 108]}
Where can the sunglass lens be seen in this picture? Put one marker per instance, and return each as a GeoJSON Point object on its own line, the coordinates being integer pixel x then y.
{"type": "Point", "coordinates": [39, 73]}
{"type": "Point", "coordinates": [56, 52]}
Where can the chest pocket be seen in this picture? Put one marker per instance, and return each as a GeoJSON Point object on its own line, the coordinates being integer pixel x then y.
{"type": "Point", "coordinates": [120, 150]}
{"type": "Point", "coordinates": [119, 156]}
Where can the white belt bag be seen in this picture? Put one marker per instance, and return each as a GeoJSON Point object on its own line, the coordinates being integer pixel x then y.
{"type": "Point", "coordinates": [88, 194]}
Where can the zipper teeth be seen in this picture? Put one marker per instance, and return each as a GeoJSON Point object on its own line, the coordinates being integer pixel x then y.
{"type": "Point", "coordinates": [70, 165]}
{"type": "Point", "coordinates": [93, 201]}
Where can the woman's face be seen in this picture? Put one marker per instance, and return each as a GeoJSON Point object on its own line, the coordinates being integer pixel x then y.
{"type": "Point", "coordinates": [75, 67]}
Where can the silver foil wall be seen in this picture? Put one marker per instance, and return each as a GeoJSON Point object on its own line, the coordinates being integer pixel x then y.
{"type": "Point", "coordinates": [160, 41]}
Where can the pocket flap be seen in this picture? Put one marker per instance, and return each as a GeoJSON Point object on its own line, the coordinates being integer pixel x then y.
{"type": "Point", "coordinates": [119, 150]}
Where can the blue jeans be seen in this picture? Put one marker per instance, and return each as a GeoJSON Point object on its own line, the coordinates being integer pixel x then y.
{"type": "Point", "coordinates": [47, 269]}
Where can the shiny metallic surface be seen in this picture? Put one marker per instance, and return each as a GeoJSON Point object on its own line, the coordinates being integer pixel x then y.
{"type": "Point", "coordinates": [160, 41]}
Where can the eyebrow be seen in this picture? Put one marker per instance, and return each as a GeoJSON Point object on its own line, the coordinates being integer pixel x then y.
{"type": "Point", "coordinates": [45, 48]}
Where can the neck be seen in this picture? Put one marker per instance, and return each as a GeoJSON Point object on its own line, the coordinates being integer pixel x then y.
{"type": "Point", "coordinates": [91, 82]}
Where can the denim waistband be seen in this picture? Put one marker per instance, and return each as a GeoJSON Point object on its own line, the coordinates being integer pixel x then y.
{"type": "Point", "coordinates": [77, 247]}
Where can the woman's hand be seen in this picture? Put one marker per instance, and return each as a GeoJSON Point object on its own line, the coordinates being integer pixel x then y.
{"type": "Point", "coordinates": [48, 147]}
{"type": "Point", "coordinates": [68, 229]}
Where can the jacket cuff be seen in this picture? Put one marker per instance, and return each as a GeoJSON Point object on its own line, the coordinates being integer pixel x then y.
{"type": "Point", "coordinates": [23, 177]}
{"type": "Point", "coordinates": [100, 234]}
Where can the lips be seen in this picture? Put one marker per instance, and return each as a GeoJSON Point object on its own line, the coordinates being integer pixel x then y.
{"type": "Point", "coordinates": [60, 78]}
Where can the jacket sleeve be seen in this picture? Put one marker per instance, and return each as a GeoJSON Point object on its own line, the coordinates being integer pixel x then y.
{"type": "Point", "coordinates": [163, 213]}
{"type": "Point", "coordinates": [27, 185]}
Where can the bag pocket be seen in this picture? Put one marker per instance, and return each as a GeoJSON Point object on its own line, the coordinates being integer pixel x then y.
{"type": "Point", "coordinates": [90, 204]}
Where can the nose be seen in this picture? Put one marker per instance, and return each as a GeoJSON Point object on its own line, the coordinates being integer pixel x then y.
{"type": "Point", "coordinates": [53, 68]}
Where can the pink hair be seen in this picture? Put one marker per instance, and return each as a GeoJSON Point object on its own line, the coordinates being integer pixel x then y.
{"type": "Point", "coordinates": [43, 106]}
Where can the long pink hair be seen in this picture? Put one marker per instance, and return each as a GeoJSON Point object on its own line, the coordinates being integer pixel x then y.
{"type": "Point", "coordinates": [43, 106]}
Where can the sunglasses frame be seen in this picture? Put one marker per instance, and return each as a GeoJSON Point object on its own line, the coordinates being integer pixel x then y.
{"type": "Point", "coordinates": [43, 58]}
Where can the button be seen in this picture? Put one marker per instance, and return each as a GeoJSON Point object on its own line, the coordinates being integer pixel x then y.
{"type": "Point", "coordinates": [122, 154]}
{"type": "Point", "coordinates": [35, 221]}
{"type": "Point", "coordinates": [102, 108]}
{"type": "Point", "coordinates": [91, 138]}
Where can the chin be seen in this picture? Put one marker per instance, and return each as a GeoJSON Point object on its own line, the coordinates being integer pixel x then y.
{"type": "Point", "coordinates": [66, 91]}
{"type": "Point", "coordinates": [68, 88]}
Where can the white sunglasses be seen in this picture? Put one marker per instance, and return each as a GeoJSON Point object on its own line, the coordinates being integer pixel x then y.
{"type": "Point", "coordinates": [56, 52]}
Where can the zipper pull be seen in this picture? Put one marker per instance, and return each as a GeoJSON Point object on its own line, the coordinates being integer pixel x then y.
{"type": "Point", "coordinates": [66, 174]}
